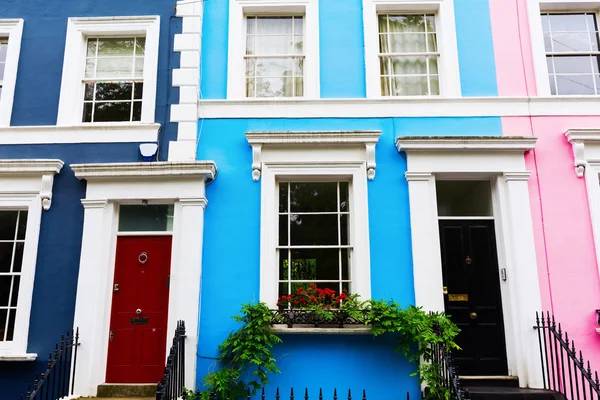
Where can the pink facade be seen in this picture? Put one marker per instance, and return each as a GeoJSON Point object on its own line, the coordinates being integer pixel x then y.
{"type": "Point", "coordinates": [566, 254]}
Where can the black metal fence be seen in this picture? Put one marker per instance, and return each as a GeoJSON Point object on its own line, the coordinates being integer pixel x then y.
{"type": "Point", "coordinates": [58, 380]}
{"type": "Point", "coordinates": [292, 396]}
{"type": "Point", "coordinates": [563, 368]}
{"type": "Point", "coordinates": [171, 385]}
{"type": "Point", "coordinates": [448, 372]}
{"type": "Point", "coordinates": [335, 317]}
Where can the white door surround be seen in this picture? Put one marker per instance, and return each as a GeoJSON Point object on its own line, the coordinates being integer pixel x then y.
{"type": "Point", "coordinates": [108, 185]}
{"type": "Point", "coordinates": [500, 160]}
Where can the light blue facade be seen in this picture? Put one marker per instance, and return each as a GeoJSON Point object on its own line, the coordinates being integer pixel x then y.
{"type": "Point", "coordinates": [36, 103]}
{"type": "Point", "coordinates": [231, 261]}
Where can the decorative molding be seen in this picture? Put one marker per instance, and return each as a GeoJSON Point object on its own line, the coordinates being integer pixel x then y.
{"type": "Point", "coordinates": [187, 79]}
{"type": "Point", "coordinates": [414, 106]}
{"type": "Point", "coordinates": [578, 139]}
{"type": "Point", "coordinates": [516, 176]}
{"type": "Point", "coordinates": [45, 168]}
{"type": "Point", "coordinates": [194, 201]}
{"type": "Point", "coordinates": [94, 203]}
{"type": "Point", "coordinates": [418, 176]}
{"type": "Point", "coordinates": [113, 132]}
{"type": "Point", "coordinates": [13, 29]}
{"type": "Point", "coordinates": [465, 143]}
{"type": "Point", "coordinates": [208, 169]}
{"type": "Point", "coordinates": [365, 139]}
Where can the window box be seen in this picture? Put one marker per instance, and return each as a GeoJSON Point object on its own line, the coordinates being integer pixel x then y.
{"type": "Point", "coordinates": [290, 320]}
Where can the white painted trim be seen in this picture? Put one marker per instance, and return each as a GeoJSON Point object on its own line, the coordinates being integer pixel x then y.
{"type": "Point", "coordinates": [115, 132]}
{"type": "Point", "coordinates": [505, 167]}
{"type": "Point", "coordinates": [446, 34]}
{"type": "Point", "coordinates": [13, 29]}
{"type": "Point", "coordinates": [19, 357]}
{"type": "Point", "coordinates": [70, 106]}
{"type": "Point", "coordinates": [108, 185]}
{"type": "Point", "coordinates": [534, 10]}
{"type": "Point", "coordinates": [281, 166]}
{"type": "Point", "coordinates": [238, 9]}
{"type": "Point", "coordinates": [362, 139]}
{"type": "Point", "coordinates": [402, 107]}
{"type": "Point", "coordinates": [187, 78]}
{"type": "Point", "coordinates": [586, 154]}
{"type": "Point", "coordinates": [26, 185]}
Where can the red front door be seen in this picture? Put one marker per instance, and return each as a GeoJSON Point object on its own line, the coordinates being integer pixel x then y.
{"type": "Point", "coordinates": [138, 323]}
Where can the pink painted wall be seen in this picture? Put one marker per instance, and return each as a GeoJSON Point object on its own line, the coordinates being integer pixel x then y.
{"type": "Point", "coordinates": [566, 256]}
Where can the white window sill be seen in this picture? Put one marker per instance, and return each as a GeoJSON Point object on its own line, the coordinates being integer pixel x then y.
{"type": "Point", "coordinates": [346, 330]}
{"type": "Point", "coordinates": [108, 132]}
{"type": "Point", "coordinates": [18, 357]}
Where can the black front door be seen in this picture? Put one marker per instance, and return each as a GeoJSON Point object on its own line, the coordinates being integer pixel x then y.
{"type": "Point", "coordinates": [472, 283]}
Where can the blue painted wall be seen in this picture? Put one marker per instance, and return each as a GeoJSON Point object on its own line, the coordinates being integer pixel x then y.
{"type": "Point", "coordinates": [231, 260]}
{"type": "Point", "coordinates": [42, 53]}
{"type": "Point", "coordinates": [341, 41]}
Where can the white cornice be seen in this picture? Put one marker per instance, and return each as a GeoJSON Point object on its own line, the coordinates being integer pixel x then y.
{"type": "Point", "coordinates": [44, 168]}
{"type": "Point", "coordinates": [465, 143]}
{"type": "Point", "coordinates": [402, 107]}
{"type": "Point", "coordinates": [364, 139]}
{"type": "Point", "coordinates": [115, 132]}
{"type": "Point", "coordinates": [166, 169]}
{"type": "Point", "coordinates": [578, 139]}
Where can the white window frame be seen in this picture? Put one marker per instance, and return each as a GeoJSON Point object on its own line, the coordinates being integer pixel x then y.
{"type": "Point", "coordinates": [236, 71]}
{"type": "Point", "coordinates": [586, 151]}
{"type": "Point", "coordinates": [11, 29]}
{"type": "Point", "coordinates": [313, 156]}
{"type": "Point", "coordinates": [448, 68]}
{"type": "Point", "coordinates": [70, 107]}
{"type": "Point", "coordinates": [26, 185]}
{"type": "Point", "coordinates": [534, 10]}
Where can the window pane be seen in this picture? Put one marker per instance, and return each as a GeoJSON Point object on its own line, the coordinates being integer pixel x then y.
{"type": "Point", "coordinates": [115, 46]}
{"type": "Point", "coordinates": [140, 46]}
{"type": "Point", "coordinates": [8, 223]}
{"type": "Point", "coordinates": [568, 42]}
{"type": "Point", "coordinates": [284, 273]}
{"type": "Point", "coordinates": [88, 91]}
{"type": "Point", "coordinates": [270, 87]}
{"type": "Point", "coordinates": [345, 264]}
{"type": "Point", "coordinates": [407, 23]}
{"type": "Point", "coordinates": [408, 43]}
{"type": "Point", "coordinates": [90, 68]}
{"type": "Point", "coordinates": [283, 229]}
{"type": "Point", "coordinates": [433, 65]}
{"type": "Point", "coordinates": [250, 45]}
{"type": "Point", "coordinates": [92, 45]}
{"type": "Point", "coordinates": [114, 67]}
{"type": "Point", "coordinates": [15, 291]}
{"type": "Point", "coordinates": [3, 316]}
{"type": "Point", "coordinates": [575, 84]}
{"type": "Point", "coordinates": [139, 67]}
{"type": "Point", "coordinates": [315, 264]}
{"type": "Point", "coordinates": [114, 91]}
{"type": "Point", "coordinates": [410, 86]}
{"type": "Point", "coordinates": [464, 198]}
{"type": "Point", "coordinates": [11, 325]}
{"type": "Point", "coordinates": [22, 225]}
{"type": "Point", "coordinates": [344, 224]}
{"type": "Point", "coordinates": [432, 42]}
{"type": "Point", "coordinates": [251, 25]}
{"type": "Point", "coordinates": [299, 87]}
{"type": "Point", "coordinates": [146, 218]}
{"type": "Point", "coordinates": [18, 258]}
{"type": "Point", "coordinates": [430, 21]}
{"type": "Point", "coordinates": [409, 65]}
{"type": "Point", "coordinates": [138, 90]}
{"type": "Point", "coordinates": [87, 112]}
{"type": "Point", "coordinates": [313, 197]}
{"type": "Point", "coordinates": [311, 229]}
{"type": "Point", "coordinates": [568, 22]}
{"type": "Point", "coordinates": [266, 45]}
{"type": "Point", "coordinates": [274, 25]}
{"type": "Point", "coordinates": [434, 84]}
{"type": "Point", "coordinates": [250, 88]}
{"type": "Point", "coordinates": [570, 65]}
{"type": "Point", "coordinates": [298, 26]}
{"type": "Point", "coordinates": [5, 283]}
{"type": "Point", "coordinates": [136, 115]}
{"type": "Point", "coordinates": [283, 197]}
{"type": "Point", "coordinates": [6, 252]}
{"type": "Point", "coordinates": [274, 67]}
{"type": "Point", "coordinates": [112, 112]}
{"type": "Point", "coordinates": [3, 51]}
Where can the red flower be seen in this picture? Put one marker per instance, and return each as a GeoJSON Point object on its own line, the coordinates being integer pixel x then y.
{"type": "Point", "coordinates": [313, 298]}
{"type": "Point", "coordinates": [312, 285]}
{"type": "Point", "coordinates": [296, 302]}
{"type": "Point", "coordinates": [343, 296]}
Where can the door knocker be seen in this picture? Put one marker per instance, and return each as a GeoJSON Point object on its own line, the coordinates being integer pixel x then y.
{"type": "Point", "coordinates": [468, 260]}
{"type": "Point", "coordinates": [142, 258]}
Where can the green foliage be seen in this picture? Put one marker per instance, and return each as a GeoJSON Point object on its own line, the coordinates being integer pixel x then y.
{"type": "Point", "coordinates": [247, 352]}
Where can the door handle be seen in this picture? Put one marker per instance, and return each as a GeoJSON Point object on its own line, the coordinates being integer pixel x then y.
{"type": "Point", "coordinates": [445, 290]}
{"type": "Point", "coordinates": [473, 315]}
{"type": "Point", "coordinates": [111, 336]}
{"type": "Point", "coordinates": [138, 311]}
{"type": "Point", "coordinates": [116, 287]}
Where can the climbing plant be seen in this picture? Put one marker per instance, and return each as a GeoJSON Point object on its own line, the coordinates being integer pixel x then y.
{"type": "Point", "coordinates": [246, 356]}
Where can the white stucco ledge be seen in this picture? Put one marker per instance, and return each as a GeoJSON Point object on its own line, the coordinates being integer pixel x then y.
{"type": "Point", "coordinates": [32, 166]}
{"type": "Point", "coordinates": [108, 132]}
{"type": "Point", "coordinates": [172, 169]}
{"type": "Point", "coordinates": [18, 357]}
{"type": "Point", "coordinates": [465, 143]}
{"type": "Point", "coordinates": [346, 330]}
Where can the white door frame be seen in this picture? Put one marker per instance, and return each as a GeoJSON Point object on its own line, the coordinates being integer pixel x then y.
{"type": "Point", "coordinates": [501, 160]}
{"type": "Point", "coordinates": [108, 185]}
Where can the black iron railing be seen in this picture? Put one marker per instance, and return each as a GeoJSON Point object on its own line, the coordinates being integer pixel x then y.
{"type": "Point", "coordinates": [292, 317]}
{"type": "Point", "coordinates": [564, 369]}
{"type": "Point", "coordinates": [171, 385]}
{"type": "Point", "coordinates": [292, 395]}
{"type": "Point", "coordinates": [448, 372]}
{"type": "Point", "coordinates": [58, 380]}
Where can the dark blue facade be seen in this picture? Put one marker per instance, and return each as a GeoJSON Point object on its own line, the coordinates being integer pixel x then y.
{"type": "Point", "coordinates": [36, 103]}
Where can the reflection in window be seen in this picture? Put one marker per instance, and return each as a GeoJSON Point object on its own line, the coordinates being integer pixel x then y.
{"type": "Point", "coordinates": [3, 51]}
{"type": "Point", "coordinates": [12, 241]}
{"type": "Point", "coordinates": [274, 56]}
{"type": "Point", "coordinates": [146, 218]}
{"type": "Point", "coordinates": [572, 53]}
{"type": "Point", "coordinates": [314, 239]}
{"type": "Point", "coordinates": [113, 81]}
{"type": "Point", "coordinates": [408, 55]}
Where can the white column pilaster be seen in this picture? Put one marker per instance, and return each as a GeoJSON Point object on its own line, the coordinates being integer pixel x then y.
{"type": "Point", "coordinates": [93, 294]}
{"type": "Point", "coordinates": [186, 278]}
{"type": "Point", "coordinates": [427, 265]}
{"type": "Point", "coordinates": [522, 276]}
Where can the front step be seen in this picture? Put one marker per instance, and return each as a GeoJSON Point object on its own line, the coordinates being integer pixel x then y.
{"type": "Point", "coordinates": [505, 393]}
{"type": "Point", "coordinates": [129, 390]}
{"type": "Point", "coordinates": [489, 381]}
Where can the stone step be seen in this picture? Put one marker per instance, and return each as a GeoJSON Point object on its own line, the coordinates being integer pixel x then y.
{"type": "Point", "coordinates": [506, 393]}
{"type": "Point", "coordinates": [489, 381]}
{"type": "Point", "coordinates": [127, 390]}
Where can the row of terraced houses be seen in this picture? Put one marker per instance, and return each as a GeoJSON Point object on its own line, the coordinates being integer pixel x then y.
{"type": "Point", "coordinates": [163, 162]}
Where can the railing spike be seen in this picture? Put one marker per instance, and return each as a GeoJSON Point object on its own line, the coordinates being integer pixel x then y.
{"type": "Point", "coordinates": [248, 396]}
{"type": "Point", "coordinates": [262, 396]}
{"type": "Point", "coordinates": [335, 394]}
{"type": "Point", "coordinates": [277, 394]}
{"type": "Point", "coordinates": [320, 393]}
{"type": "Point", "coordinates": [213, 395]}
{"type": "Point", "coordinates": [364, 394]}
{"type": "Point", "coordinates": [349, 395]}
{"type": "Point", "coordinates": [292, 393]}
{"type": "Point", "coordinates": [305, 393]}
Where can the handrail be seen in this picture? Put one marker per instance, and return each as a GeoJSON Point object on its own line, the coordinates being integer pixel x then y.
{"type": "Point", "coordinates": [59, 376]}
{"type": "Point", "coordinates": [171, 385]}
{"type": "Point", "coordinates": [557, 354]}
{"type": "Point", "coordinates": [449, 372]}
